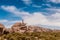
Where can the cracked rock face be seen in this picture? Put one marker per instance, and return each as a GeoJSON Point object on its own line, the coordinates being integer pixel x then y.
{"type": "Point", "coordinates": [22, 27]}
{"type": "Point", "coordinates": [19, 27]}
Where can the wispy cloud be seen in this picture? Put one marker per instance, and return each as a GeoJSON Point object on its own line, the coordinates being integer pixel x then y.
{"type": "Point", "coordinates": [53, 9]}
{"type": "Point", "coordinates": [27, 2]}
{"type": "Point", "coordinates": [1, 21]}
{"type": "Point", "coordinates": [8, 23]}
{"type": "Point", "coordinates": [54, 1]}
{"type": "Point", "coordinates": [16, 11]}
{"type": "Point", "coordinates": [36, 6]}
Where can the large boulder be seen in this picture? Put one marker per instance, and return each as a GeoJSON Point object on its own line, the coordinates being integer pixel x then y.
{"type": "Point", "coordinates": [19, 27]}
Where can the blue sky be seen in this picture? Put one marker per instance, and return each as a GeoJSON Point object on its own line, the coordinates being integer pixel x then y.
{"type": "Point", "coordinates": [33, 12]}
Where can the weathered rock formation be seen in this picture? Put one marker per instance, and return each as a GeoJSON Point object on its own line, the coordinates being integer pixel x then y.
{"type": "Point", "coordinates": [2, 28]}
{"type": "Point", "coordinates": [37, 29]}
{"type": "Point", "coordinates": [19, 27]}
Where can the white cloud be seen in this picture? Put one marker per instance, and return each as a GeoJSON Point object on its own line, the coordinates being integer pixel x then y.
{"type": "Point", "coordinates": [36, 17]}
{"type": "Point", "coordinates": [39, 6]}
{"type": "Point", "coordinates": [53, 8]}
{"type": "Point", "coordinates": [49, 5]}
{"type": "Point", "coordinates": [39, 18]}
{"type": "Point", "coordinates": [9, 8]}
{"type": "Point", "coordinates": [3, 21]}
{"type": "Point", "coordinates": [8, 23]}
{"type": "Point", "coordinates": [54, 1]}
{"type": "Point", "coordinates": [16, 11]}
{"type": "Point", "coordinates": [27, 2]}
{"type": "Point", "coordinates": [36, 6]}
{"type": "Point", "coordinates": [55, 19]}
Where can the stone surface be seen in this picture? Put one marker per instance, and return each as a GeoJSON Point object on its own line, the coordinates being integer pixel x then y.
{"type": "Point", "coordinates": [2, 28]}
{"type": "Point", "coordinates": [19, 27]}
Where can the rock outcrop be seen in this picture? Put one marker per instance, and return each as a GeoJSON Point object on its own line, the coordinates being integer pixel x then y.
{"type": "Point", "coordinates": [19, 27]}
{"type": "Point", "coordinates": [2, 28]}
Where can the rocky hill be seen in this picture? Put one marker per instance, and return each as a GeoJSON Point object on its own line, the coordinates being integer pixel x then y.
{"type": "Point", "coordinates": [21, 27]}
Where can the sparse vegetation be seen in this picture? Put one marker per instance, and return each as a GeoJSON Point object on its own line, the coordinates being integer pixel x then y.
{"type": "Point", "coordinates": [32, 36]}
